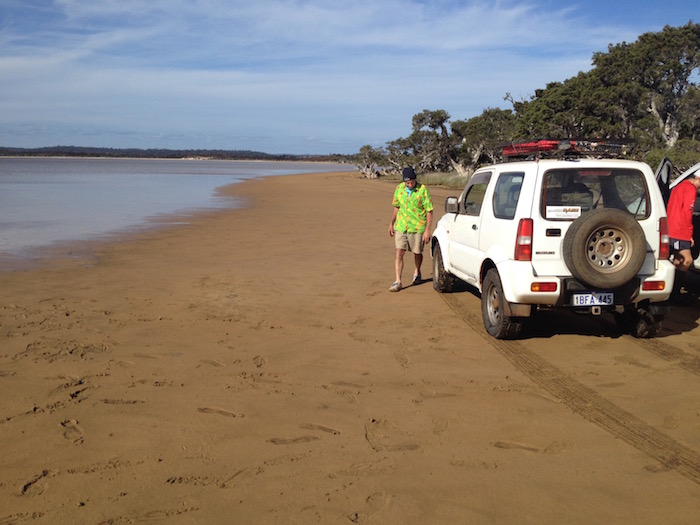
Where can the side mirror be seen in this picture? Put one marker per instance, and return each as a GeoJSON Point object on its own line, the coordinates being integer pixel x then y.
{"type": "Point", "coordinates": [451, 205]}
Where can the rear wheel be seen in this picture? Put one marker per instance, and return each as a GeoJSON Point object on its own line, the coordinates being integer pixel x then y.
{"type": "Point", "coordinates": [496, 322]}
{"type": "Point", "coordinates": [639, 322]}
{"type": "Point", "coordinates": [443, 281]}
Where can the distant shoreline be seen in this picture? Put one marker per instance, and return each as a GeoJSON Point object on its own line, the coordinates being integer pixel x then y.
{"type": "Point", "coordinates": [71, 157]}
{"type": "Point", "coordinates": [173, 154]}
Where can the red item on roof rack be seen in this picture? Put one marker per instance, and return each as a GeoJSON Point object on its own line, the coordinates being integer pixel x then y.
{"type": "Point", "coordinates": [599, 147]}
{"type": "Point", "coordinates": [534, 146]}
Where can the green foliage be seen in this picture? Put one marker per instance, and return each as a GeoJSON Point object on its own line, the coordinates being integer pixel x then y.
{"type": "Point", "coordinates": [649, 79]}
{"type": "Point", "coordinates": [369, 159]}
{"type": "Point", "coordinates": [481, 138]}
{"type": "Point", "coordinates": [683, 155]}
{"type": "Point", "coordinates": [645, 91]}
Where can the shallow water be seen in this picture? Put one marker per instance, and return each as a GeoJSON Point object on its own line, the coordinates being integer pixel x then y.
{"type": "Point", "coordinates": [45, 201]}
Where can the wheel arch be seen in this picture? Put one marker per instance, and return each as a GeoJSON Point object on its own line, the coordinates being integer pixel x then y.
{"type": "Point", "coordinates": [439, 239]}
{"type": "Point", "coordinates": [487, 265]}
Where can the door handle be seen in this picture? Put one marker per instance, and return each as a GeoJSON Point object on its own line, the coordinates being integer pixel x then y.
{"type": "Point", "coordinates": [474, 227]}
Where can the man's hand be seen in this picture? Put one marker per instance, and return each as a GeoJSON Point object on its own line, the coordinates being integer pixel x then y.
{"type": "Point", "coordinates": [391, 230]}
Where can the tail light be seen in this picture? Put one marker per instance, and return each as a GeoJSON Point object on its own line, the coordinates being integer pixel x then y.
{"type": "Point", "coordinates": [664, 248]}
{"type": "Point", "coordinates": [523, 242]}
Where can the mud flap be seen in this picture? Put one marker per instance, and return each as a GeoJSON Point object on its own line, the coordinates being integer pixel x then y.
{"type": "Point", "coordinates": [517, 310]}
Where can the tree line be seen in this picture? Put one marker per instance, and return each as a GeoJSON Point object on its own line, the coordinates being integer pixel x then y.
{"type": "Point", "coordinates": [645, 92]}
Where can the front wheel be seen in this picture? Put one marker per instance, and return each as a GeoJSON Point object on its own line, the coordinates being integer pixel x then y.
{"type": "Point", "coordinates": [496, 322]}
{"type": "Point", "coordinates": [443, 281]}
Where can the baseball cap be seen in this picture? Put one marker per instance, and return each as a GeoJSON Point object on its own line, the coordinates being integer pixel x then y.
{"type": "Point", "coordinates": [409, 174]}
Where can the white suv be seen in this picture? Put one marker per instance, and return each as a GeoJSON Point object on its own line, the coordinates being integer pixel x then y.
{"type": "Point", "coordinates": [574, 232]}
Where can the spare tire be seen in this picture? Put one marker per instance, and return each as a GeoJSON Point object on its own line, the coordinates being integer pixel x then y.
{"type": "Point", "coordinates": [605, 248]}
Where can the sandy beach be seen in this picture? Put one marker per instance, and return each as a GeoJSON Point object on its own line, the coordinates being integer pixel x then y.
{"type": "Point", "coordinates": [252, 367]}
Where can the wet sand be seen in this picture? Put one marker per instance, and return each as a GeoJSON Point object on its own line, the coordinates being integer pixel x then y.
{"type": "Point", "coordinates": [252, 367]}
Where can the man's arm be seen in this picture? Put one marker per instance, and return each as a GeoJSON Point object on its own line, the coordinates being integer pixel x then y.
{"type": "Point", "coordinates": [393, 219]}
{"type": "Point", "coordinates": [428, 225]}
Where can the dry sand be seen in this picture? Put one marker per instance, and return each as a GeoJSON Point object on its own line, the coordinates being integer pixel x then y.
{"type": "Point", "coordinates": [252, 367]}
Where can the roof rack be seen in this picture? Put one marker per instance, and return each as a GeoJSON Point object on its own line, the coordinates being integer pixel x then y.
{"type": "Point", "coordinates": [608, 148]}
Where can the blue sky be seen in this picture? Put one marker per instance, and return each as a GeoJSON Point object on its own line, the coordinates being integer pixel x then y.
{"type": "Point", "coordinates": [287, 76]}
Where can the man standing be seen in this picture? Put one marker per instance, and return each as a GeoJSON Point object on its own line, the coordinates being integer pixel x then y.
{"type": "Point", "coordinates": [679, 211]}
{"type": "Point", "coordinates": [410, 224]}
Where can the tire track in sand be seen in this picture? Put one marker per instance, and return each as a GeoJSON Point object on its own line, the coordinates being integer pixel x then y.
{"type": "Point", "coordinates": [588, 403]}
{"type": "Point", "coordinates": [669, 353]}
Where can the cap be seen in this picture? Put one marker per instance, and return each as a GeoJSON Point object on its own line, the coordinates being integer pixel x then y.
{"type": "Point", "coordinates": [409, 174]}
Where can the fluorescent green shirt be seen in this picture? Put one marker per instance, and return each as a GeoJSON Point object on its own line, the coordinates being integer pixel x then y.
{"type": "Point", "coordinates": [413, 208]}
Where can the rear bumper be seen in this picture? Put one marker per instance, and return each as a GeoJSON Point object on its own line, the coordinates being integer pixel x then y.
{"type": "Point", "coordinates": [519, 283]}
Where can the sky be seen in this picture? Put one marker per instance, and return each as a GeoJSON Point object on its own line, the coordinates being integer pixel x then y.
{"type": "Point", "coordinates": [288, 76]}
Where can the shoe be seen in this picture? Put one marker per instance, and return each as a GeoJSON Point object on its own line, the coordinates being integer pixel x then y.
{"type": "Point", "coordinates": [395, 287]}
{"type": "Point", "coordinates": [417, 279]}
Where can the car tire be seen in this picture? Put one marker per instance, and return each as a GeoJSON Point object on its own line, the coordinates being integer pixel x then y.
{"type": "Point", "coordinates": [443, 281]}
{"type": "Point", "coordinates": [639, 322]}
{"type": "Point", "coordinates": [605, 248]}
{"type": "Point", "coordinates": [497, 324]}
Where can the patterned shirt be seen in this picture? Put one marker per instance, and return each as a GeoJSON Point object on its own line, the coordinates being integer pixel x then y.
{"type": "Point", "coordinates": [413, 208]}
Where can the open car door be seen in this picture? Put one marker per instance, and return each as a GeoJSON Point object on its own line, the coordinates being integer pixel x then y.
{"type": "Point", "coordinates": [663, 178]}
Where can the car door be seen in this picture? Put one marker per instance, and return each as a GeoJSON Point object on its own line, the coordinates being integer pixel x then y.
{"type": "Point", "coordinates": [663, 178]}
{"type": "Point", "coordinates": [464, 238]}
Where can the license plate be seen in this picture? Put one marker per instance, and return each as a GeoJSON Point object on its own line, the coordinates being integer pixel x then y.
{"type": "Point", "coordinates": [593, 299]}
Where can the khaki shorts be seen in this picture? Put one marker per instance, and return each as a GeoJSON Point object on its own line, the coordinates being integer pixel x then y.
{"type": "Point", "coordinates": [410, 242]}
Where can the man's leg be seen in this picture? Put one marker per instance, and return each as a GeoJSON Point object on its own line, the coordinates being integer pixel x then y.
{"type": "Point", "coordinates": [418, 258]}
{"type": "Point", "coordinates": [682, 259]}
{"type": "Point", "coordinates": [686, 259]}
{"type": "Point", "coordinates": [398, 264]}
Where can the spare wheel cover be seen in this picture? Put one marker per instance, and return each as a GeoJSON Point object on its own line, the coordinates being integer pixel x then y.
{"type": "Point", "coordinates": [605, 248]}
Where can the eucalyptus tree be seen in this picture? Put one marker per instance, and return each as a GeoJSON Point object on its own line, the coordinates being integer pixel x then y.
{"type": "Point", "coordinates": [650, 78]}
{"type": "Point", "coordinates": [369, 160]}
{"type": "Point", "coordinates": [646, 90]}
{"type": "Point", "coordinates": [481, 138]}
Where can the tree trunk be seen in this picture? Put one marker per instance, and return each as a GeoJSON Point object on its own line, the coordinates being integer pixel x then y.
{"type": "Point", "coordinates": [462, 171]}
{"type": "Point", "coordinates": [668, 126]}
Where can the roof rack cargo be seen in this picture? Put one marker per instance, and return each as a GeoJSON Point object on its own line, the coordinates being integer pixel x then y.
{"type": "Point", "coordinates": [567, 148]}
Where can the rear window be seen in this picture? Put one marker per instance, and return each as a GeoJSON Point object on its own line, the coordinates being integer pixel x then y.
{"type": "Point", "coordinates": [569, 193]}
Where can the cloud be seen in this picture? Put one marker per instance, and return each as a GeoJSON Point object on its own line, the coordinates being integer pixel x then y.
{"type": "Point", "coordinates": [288, 73]}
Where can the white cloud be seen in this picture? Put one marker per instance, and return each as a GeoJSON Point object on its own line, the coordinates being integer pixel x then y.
{"type": "Point", "coordinates": [290, 70]}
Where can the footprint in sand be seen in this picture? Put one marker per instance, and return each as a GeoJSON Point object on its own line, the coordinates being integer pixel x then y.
{"type": "Point", "coordinates": [122, 401]}
{"type": "Point", "coordinates": [239, 475]}
{"type": "Point", "coordinates": [313, 426]}
{"type": "Point", "coordinates": [72, 431]}
{"type": "Point", "coordinates": [515, 445]}
{"type": "Point", "coordinates": [293, 441]}
{"type": "Point", "coordinates": [38, 484]}
{"type": "Point", "coordinates": [219, 411]}
{"type": "Point", "coordinates": [373, 504]}
{"type": "Point", "coordinates": [403, 360]}
{"type": "Point", "coordinates": [383, 436]}
{"type": "Point", "coordinates": [440, 425]}
{"type": "Point", "coordinates": [212, 362]}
